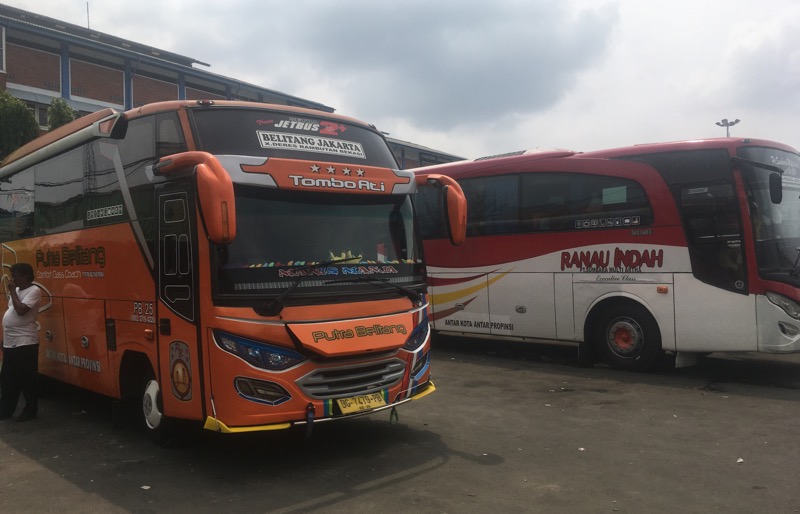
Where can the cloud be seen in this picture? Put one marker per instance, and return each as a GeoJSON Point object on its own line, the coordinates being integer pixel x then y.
{"type": "Point", "coordinates": [765, 67]}
{"type": "Point", "coordinates": [450, 62]}
{"type": "Point", "coordinates": [484, 77]}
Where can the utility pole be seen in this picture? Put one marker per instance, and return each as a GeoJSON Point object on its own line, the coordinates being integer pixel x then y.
{"type": "Point", "coordinates": [727, 124]}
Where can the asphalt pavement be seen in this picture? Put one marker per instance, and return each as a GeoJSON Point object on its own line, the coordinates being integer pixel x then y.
{"type": "Point", "coordinates": [511, 428]}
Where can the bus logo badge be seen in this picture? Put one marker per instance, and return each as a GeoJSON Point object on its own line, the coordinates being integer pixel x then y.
{"type": "Point", "coordinates": [180, 370]}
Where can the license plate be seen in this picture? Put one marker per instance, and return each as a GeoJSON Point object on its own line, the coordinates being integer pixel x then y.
{"type": "Point", "coordinates": [361, 403]}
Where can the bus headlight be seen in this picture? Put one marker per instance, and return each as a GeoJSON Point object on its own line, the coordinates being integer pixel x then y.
{"type": "Point", "coordinates": [789, 306]}
{"type": "Point", "coordinates": [417, 337]}
{"type": "Point", "coordinates": [261, 355]}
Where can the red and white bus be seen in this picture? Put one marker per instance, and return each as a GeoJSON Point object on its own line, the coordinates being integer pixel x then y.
{"type": "Point", "coordinates": [688, 247]}
{"type": "Point", "coordinates": [244, 265]}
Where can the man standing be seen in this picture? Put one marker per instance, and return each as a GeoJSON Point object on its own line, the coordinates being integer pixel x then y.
{"type": "Point", "coordinates": [20, 344]}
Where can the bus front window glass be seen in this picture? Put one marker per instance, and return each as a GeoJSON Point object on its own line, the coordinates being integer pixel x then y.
{"type": "Point", "coordinates": [282, 236]}
{"type": "Point", "coordinates": [711, 217]}
{"type": "Point", "coordinates": [257, 132]}
{"type": "Point", "coordinates": [776, 227]}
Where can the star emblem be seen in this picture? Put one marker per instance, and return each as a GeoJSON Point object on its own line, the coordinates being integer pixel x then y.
{"type": "Point", "coordinates": [360, 172]}
{"type": "Point", "coordinates": [346, 171]}
{"type": "Point", "coordinates": [331, 170]}
{"type": "Point", "coordinates": [314, 168]}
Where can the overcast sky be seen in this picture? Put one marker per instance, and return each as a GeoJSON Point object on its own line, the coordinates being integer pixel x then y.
{"type": "Point", "coordinates": [474, 78]}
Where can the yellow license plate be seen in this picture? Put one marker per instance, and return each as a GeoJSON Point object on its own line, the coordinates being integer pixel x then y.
{"type": "Point", "coordinates": [361, 403]}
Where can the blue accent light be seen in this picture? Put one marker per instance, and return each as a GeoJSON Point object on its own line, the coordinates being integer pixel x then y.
{"type": "Point", "coordinates": [260, 355]}
{"type": "Point", "coordinates": [419, 334]}
{"type": "Point", "coordinates": [417, 337]}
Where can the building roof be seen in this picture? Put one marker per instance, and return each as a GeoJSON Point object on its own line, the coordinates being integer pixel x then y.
{"type": "Point", "coordinates": [44, 26]}
{"type": "Point", "coordinates": [49, 26]}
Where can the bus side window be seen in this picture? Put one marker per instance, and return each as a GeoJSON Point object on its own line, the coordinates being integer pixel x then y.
{"type": "Point", "coordinates": [570, 201]}
{"type": "Point", "coordinates": [16, 206]}
{"type": "Point", "coordinates": [493, 205]}
{"type": "Point", "coordinates": [430, 212]}
{"type": "Point", "coordinates": [169, 138]}
{"type": "Point", "coordinates": [59, 189]}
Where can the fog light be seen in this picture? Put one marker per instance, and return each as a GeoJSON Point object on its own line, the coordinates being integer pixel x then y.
{"type": "Point", "coordinates": [261, 391]}
{"type": "Point", "coordinates": [787, 330]}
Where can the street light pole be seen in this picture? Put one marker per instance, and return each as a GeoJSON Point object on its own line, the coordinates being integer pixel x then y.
{"type": "Point", "coordinates": [727, 124]}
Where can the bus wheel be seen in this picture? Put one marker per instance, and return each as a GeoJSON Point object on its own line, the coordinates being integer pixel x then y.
{"type": "Point", "coordinates": [157, 425]}
{"type": "Point", "coordinates": [627, 337]}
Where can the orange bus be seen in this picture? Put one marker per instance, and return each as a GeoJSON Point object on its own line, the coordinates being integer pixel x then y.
{"type": "Point", "coordinates": [689, 247]}
{"type": "Point", "coordinates": [244, 265]}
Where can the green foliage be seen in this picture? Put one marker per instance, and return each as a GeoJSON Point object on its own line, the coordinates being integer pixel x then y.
{"type": "Point", "coordinates": [59, 113]}
{"type": "Point", "coordinates": [17, 124]}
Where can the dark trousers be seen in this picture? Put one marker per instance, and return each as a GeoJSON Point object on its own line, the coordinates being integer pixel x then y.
{"type": "Point", "coordinates": [19, 375]}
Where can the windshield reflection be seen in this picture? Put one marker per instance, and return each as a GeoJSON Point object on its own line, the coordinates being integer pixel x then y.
{"type": "Point", "coordinates": [285, 236]}
{"type": "Point", "coordinates": [776, 227]}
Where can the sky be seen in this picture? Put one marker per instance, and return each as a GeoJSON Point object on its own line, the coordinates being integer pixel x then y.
{"type": "Point", "coordinates": [484, 77]}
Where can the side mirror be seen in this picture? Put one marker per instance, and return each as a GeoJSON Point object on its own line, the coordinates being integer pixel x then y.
{"type": "Point", "coordinates": [775, 187]}
{"type": "Point", "coordinates": [214, 191]}
{"type": "Point", "coordinates": [455, 205]}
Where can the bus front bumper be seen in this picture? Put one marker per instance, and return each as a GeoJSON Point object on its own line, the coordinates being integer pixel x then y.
{"type": "Point", "coordinates": [216, 425]}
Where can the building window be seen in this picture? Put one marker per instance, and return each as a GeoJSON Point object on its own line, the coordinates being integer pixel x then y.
{"type": "Point", "coordinates": [41, 117]}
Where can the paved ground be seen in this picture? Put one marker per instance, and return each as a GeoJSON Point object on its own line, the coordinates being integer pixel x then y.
{"type": "Point", "coordinates": [511, 429]}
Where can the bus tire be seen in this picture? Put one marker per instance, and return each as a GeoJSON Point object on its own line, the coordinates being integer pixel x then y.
{"type": "Point", "coordinates": [159, 427]}
{"type": "Point", "coordinates": [627, 337]}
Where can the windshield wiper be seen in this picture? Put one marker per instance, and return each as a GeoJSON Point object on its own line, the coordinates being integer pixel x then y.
{"type": "Point", "coordinates": [275, 306]}
{"type": "Point", "coordinates": [414, 296]}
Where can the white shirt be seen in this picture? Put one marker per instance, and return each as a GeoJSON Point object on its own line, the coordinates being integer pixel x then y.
{"type": "Point", "coordinates": [21, 330]}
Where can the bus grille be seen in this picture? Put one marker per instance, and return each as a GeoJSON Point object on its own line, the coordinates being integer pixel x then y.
{"type": "Point", "coordinates": [344, 381]}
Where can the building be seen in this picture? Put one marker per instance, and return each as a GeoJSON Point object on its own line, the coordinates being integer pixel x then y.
{"type": "Point", "coordinates": [42, 58]}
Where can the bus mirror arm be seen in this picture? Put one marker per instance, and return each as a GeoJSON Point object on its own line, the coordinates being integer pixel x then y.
{"type": "Point", "coordinates": [214, 191]}
{"type": "Point", "coordinates": [455, 204]}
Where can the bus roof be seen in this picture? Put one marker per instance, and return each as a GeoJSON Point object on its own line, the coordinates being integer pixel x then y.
{"type": "Point", "coordinates": [87, 121]}
{"type": "Point", "coordinates": [512, 162]}
{"type": "Point", "coordinates": [729, 143]}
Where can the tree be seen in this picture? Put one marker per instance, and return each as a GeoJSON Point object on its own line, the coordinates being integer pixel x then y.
{"type": "Point", "coordinates": [59, 113]}
{"type": "Point", "coordinates": [17, 124]}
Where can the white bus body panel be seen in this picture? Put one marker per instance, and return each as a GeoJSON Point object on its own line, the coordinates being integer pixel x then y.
{"type": "Point", "coordinates": [709, 319]}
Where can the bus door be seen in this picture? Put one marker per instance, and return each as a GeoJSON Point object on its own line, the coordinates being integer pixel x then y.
{"type": "Point", "coordinates": [718, 285]}
{"type": "Point", "coordinates": [522, 304]}
{"type": "Point", "coordinates": [177, 312]}
{"type": "Point", "coordinates": [87, 344]}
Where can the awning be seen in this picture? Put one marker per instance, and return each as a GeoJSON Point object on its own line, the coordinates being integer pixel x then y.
{"type": "Point", "coordinates": [31, 97]}
{"type": "Point", "coordinates": [45, 99]}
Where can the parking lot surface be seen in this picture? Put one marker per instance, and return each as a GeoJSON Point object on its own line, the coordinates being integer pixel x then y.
{"type": "Point", "coordinates": [511, 428]}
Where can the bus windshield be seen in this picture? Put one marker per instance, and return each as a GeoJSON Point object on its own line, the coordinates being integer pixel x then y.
{"type": "Point", "coordinates": [331, 243]}
{"type": "Point", "coordinates": [260, 132]}
{"type": "Point", "coordinates": [776, 227]}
